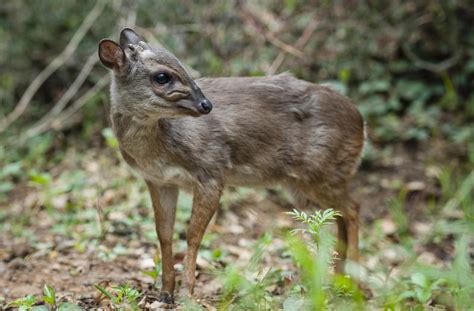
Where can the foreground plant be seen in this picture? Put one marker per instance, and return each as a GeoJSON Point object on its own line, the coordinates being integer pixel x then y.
{"type": "Point", "coordinates": [24, 304]}
{"type": "Point", "coordinates": [322, 289]}
{"type": "Point", "coordinates": [248, 289]}
{"type": "Point", "coordinates": [313, 287]}
{"type": "Point", "coordinates": [315, 223]}
{"type": "Point", "coordinates": [123, 297]}
{"type": "Point", "coordinates": [46, 303]}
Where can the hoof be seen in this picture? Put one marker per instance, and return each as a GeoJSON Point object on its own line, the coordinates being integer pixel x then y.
{"type": "Point", "coordinates": [166, 297]}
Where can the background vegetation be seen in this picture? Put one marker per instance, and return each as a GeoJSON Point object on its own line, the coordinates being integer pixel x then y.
{"type": "Point", "coordinates": [71, 209]}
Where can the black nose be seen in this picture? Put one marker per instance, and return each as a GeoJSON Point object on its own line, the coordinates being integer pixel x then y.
{"type": "Point", "coordinates": [206, 106]}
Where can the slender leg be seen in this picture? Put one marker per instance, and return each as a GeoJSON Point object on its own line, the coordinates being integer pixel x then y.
{"type": "Point", "coordinates": [341, 245]}
{"type": "Point", "coordinates": [347, 226]}
{"type": "Point", "coordinates": [164, 200]}
{"type": "Point", "coordinates": [348, 234]}
{"type": "Point", "coordinates": [205, 203]}
{"type": "Point", "coordinates": [352, 225]}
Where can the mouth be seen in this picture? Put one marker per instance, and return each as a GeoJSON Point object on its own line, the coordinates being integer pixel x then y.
{"type": "Point", "coordinates": [189, 110]}
{"type": "Point", "coordinates": [196, 110]}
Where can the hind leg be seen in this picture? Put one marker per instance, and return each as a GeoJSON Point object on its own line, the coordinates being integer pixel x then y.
{"type": "Point", "coordinates": [348, 235]}
{"type": "Point", "coordinates": [352, 224]}
{"type": "Point", "coordinates": [341, 246]}
{"type": "Point", "coordinates": [338, 199]}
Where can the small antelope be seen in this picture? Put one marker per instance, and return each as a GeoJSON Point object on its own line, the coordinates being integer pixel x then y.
{"type": "Point", "coordinates": [200, 135]}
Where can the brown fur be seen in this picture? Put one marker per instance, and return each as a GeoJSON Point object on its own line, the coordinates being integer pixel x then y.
{"type": "Point", "coordinates": [262, 131]}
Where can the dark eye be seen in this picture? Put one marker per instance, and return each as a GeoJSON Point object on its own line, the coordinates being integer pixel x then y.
{"type": "Point", "coordinates": [161, 78]}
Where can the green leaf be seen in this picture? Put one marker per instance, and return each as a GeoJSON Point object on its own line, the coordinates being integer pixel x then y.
{"type": "Point", "coordinates": [110, 138]}
{"type": "Point", "coordinates": [314, 269]}
{"type": "Point", "coordinates": [374, 86]}
{"type": "Point", "coordinates": [49, 295]}
{"type": "Point", "coordinates": [24, 303]}
{"type": "Point", "coordinates": [423, 295]}
{"type": "Point", "coordinates": [216, 254]}
{"type": "Point", "coordinates": [40, 178]}
{"type": "Point", "coordinates": [419, 279]}
{"type": "Point", "coordinates": [153, 273]}
{"type": "Point", "coordinates": [344, 75]}
{"type": "Point", "coordinates": [406, 294]}
{"type": "Point", "coordinates": [105, 292]}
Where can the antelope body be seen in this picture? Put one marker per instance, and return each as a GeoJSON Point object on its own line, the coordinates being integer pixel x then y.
{"type": "Point", "coordinates": [203, 134]}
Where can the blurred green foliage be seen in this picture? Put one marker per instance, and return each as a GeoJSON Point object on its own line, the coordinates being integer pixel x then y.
{"type": "Point", "coordinates": [408, 65]}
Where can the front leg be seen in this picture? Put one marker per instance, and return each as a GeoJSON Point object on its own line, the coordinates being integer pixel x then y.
{"type": "Point", "coordinates": [205, 203]}
{"type": "Point", "coordinates": [164, 199]}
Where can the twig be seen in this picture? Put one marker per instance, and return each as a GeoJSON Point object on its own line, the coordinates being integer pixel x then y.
{"type": "Point", "coordinates": [50, 119]}
{"type": "Point", "coordinates": [277, 62]}
{"type": "Point", "coordinates": [60, 120]}
{"type": "Point", "coordinates": [46, 120]}
{"type": "Point", "coordinates": [283, 46]}
{"type": "Point", "coordinates": [252, 20]}
{"type": "Point", "coordinates": [53, 66]}
{"type": "Point", "coordinates": [433, 67]}
{"type": "Point", "coordinates": [300, 43]}
{"type": "Point", "coordinates": [81, 101]}
{"type": "Point", "coordinates": [423, 64]}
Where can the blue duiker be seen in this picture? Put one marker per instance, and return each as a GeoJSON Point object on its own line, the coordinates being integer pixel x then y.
{"type": "Point", "coordinates": [200, 135]}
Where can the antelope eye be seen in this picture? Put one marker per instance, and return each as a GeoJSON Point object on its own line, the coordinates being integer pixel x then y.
{"type": "Point", "coordinates": [162, 78]}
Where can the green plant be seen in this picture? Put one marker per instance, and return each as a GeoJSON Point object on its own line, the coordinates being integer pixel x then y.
{"type": "Point", "coordinates": [25, 303]}
{"type": "Point", "coordinates": [155, 273]}
{"type": "Point", "coordinates": [421, 288]}
{"type": "Point", "coordinates": [49, 295]}
{"type": "Point", "coordinates": [324, 290]}
{"type": "Point", "coordinates": [248, 289]}
{"type": "Point", "coordinates": [315, 223]}
{"type": "Point", "coordinates": [123, 297]}
{"type": "Point", "coordinates": [31, 302]}
{"type": "Point", "coordinates": [110, 138]}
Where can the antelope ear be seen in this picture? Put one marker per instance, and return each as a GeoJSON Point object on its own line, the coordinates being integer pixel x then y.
{"type": "Point", "coordinates": [129, 36]}
{"type": "Point", "coordinates": [111, 54]}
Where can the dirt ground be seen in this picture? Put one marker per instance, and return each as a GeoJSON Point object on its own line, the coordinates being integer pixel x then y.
{"type": "Point", "coordinates": [73, 271]}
